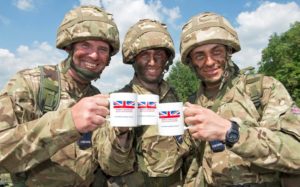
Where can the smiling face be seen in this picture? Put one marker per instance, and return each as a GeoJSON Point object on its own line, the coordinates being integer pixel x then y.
{"type": "Point", "coordinates": [149, 65]}
{"type": "Point", "coordinates": [209, 61]}
{"type": "Point", "coordinates": [91, 55]}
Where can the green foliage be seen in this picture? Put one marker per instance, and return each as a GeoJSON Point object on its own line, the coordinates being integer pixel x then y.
{"type": "Point", "coordinates": [184, 80]}
{"type": "Point", "coordinates": [281, 59]}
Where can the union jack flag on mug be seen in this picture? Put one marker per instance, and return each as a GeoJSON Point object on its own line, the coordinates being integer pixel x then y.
{"type": "Point", "coordinates": [124, 104]}
{"type": "Point", "coordinates": [145, 104]}
{"type": "Point", "coordinates": [169, 114]}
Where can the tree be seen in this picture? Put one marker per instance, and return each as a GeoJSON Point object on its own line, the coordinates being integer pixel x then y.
{"type": "Point", "coordinates": [281, 59]}
{"type": "Point", "coordinates": [184, 80]}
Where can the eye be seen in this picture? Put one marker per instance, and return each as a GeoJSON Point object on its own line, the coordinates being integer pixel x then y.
{"type": "Point", "coordinates": [103, 50]}
{"type": "Point", "coordinates": [145, 58]}
{"type": "Point", "coordinates": [198, 57]}
{"type": "Point", "coordinates": [84, 45]}
{"type": "Point", "coordinates": [218, 51]}
{"type": "Point", "coordinates": [159, 57]}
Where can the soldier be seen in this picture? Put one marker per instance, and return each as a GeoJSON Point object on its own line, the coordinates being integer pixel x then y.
{"type": "Point", "coordinates": [150, 159]}
{"type": "Point", "coordinates": [250, 121]}
{"type": "Point", "coordinates": [48, 113]}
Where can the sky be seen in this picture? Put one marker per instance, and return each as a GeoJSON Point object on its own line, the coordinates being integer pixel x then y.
{"type": "Point", "coordinates": [28, 29]}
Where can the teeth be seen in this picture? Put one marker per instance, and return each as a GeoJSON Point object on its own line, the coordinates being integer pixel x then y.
{"type": "Point", "coordinates": [90, 65]}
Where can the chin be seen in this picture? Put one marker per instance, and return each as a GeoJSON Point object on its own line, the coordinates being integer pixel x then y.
{"type": "Point", "coordinates": [211, 79]}
{"type": "Point", "coordinates": [151, 80]}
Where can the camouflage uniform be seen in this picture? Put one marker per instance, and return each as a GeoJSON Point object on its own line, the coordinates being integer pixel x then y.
{"type": "Point", "coordinates": [41, 149]}
{"type": "Point", "coordinates": [158, 160]}
{"type": "Point", "coordinates": [150, 159]}
{"type": "Point", "coordinates": [269, 140]}
{"type": "Point", "coordinates": [26, 142]}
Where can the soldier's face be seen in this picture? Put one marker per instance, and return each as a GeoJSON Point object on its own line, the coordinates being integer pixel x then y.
{"type": "Point", "coordinates": [92, 55]}
{"type": "Point", "coordinates": [150, 64]}
{"type": "Point", "coordinates": [209, 61]}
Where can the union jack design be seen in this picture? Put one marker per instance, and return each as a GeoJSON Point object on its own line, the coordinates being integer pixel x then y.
{"type": "Point", "coordinates": [169, 114]}
{"type": "Point", "coordinates": [144, 104]}
{"type": "Point", "coordinates": [124, 104]}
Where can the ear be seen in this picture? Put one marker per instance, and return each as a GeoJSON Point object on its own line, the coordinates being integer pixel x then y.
{"type": "Point", "coordinates": [70, 49]}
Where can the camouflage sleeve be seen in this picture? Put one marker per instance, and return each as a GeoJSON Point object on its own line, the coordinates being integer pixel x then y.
{"type": "Point", "coordinates": [25, 142]}
{"type": "Point", "coordinates": [114, 159]}
{"type": "Point", "coordinates": [275, 144]}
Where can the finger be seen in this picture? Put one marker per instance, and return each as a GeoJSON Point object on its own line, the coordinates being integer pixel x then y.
{"type": "Point", "coordinates": [97, 121]}
{"type": "Point", "coordinates": [193, 110]}
{"type": "Point", "coordinates": [101, 101]}
{"type": "Point", "coordinates": [195, 132]}
{"type": "Point", "coordinates": [189, 120]}
{"type": "Point", "coordinates": [101, 111]}
{"type": "Point", "coordinates": [194, 119]}
{"type": "Point", "coordinates": [192, 129]}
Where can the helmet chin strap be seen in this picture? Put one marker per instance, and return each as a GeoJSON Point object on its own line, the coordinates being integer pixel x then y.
{"type": "Point", "coordinates": [169, 63]}
{"type": "Point", "coordinates": [230, 68]}
{"type": "Point", "coordinates": [67, 64]}
{"type": "Point", "coordinates": [84, 74]}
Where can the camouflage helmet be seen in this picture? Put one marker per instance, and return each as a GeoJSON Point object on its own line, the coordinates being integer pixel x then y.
{"type": "Point", "coordinates": [207, 28]}
{"type": "Point", "coordinates": [146, 34]}
{"type": "Point", "coordinates": [88, 22]}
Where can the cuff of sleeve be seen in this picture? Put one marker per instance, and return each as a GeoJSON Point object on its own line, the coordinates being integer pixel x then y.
{"type": "Point", "coordinates": [243, 133]}
{"type": "Point", "coordinates": [246, 145]}
{"type": "Point", "coordinates": [64, 128]}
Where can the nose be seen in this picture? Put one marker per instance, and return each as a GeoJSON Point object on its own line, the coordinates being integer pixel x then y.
{"type": "Point", "coordinates": [209, 60]}
{"type": "Point", "coordinates": [151, 60]}
{"type": "Point", "coordinates": [94, 55]}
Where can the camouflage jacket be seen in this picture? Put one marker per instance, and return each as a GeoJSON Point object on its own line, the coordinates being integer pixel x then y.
{"type": "Point", "coordinates": [42, 147]}
{"type": "Point", "coordinates": [269, 142]}
{"type": "Point", "coordinates": [158, 156]}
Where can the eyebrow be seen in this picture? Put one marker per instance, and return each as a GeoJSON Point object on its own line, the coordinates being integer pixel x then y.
{"type": "Point", "coordinates": [218, 46]}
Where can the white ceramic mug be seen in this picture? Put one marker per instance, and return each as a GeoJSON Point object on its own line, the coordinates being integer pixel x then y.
{"type": "Point", "coordinates": [147, 113]}
{"type": "Point", "coordinates": [123, 109]}
{"type": "Point", "coordinates": [170, 121]}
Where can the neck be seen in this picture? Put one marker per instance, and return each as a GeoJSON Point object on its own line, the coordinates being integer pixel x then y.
{"type": "Point", "coordinates": [73, 74]}
{"type": "Point", "coordinates": [153, 87]}
{"type": "Point", "coordinates": [211, 90]}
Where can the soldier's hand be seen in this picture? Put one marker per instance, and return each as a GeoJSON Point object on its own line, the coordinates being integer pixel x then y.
{"type": "Point", "coordinates": [90, 112]}
{"type": "Point", "coordinates": [205, 124]}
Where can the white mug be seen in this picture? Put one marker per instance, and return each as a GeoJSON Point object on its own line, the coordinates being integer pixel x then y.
{"type": "Point", "coordinates": [170, 121]}
{"type": "Point", "coordinates": [123, 109]}
{"type": "Point", "coordinates": [147, 109]}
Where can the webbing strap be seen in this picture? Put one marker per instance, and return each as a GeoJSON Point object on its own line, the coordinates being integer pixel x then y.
{"type": "Point", "coordinates": [49, 91]}
{"type": "Point", "coordinates": [254, 82]}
